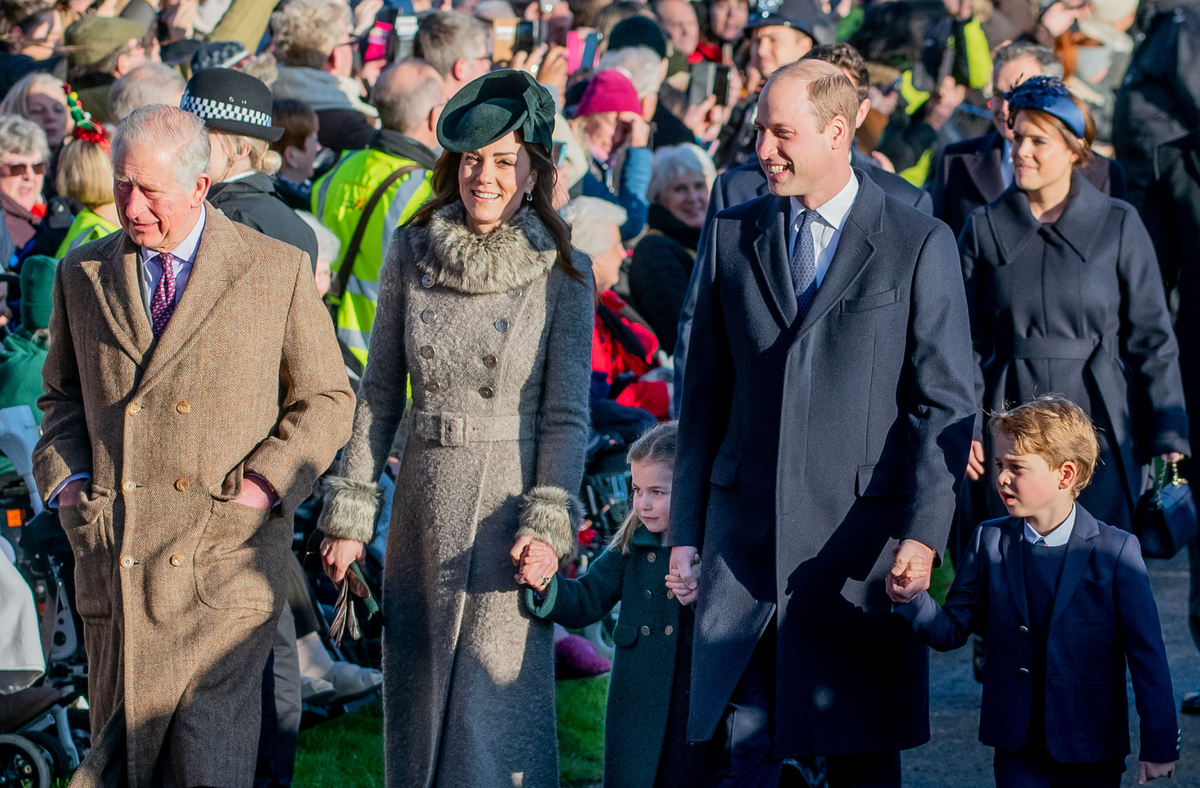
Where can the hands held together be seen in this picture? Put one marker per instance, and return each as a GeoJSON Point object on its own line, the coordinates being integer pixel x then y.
{"type": "Point", "coordinates": [910, 572]}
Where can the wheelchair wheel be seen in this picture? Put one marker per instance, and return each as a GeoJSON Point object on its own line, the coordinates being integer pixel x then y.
{"type": "Point", "coordinates": [600, 634]}
{"type": "Point", "coordinates": [52, 751]}
{"type": "Point", "coordinates": [22, 764]}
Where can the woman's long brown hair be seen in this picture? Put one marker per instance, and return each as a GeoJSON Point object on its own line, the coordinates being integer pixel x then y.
{"type": "Point", "coordinates": [445, 192]}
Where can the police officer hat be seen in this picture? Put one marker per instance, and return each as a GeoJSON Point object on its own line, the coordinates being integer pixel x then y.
{"type": "Point", "coordinates": [493, 105]}
{"type": "Point", "coordinates": [802, 15]}
{"type": "Point", "coordinates": [231, 101]}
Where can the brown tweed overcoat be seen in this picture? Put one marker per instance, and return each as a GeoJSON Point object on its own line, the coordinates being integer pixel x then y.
{"type": "Point", "coordinates": [496, 342]}
{"type": "Point", "coordinates": [180, 588]}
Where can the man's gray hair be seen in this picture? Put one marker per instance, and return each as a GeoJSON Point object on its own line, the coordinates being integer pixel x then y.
{"type": "Point", "coordinates": [405, 103]}
{"type": "Point", "coordinates": [159, 127]}
{"type": "Point", "coordinates": [676, 161]}
{"type": "Point", "coordinates": [641, 64]}
{"type": "Point", "coordinates": [592, 221]}
{"type": "Point", "coordinates": [1047, 60]}
{"type": "Point", "coordinates": [22, 137]}
{"type": "Point", "coordinates": [149, 83]}
{"type": "Point", "coordinates": [446, 36]}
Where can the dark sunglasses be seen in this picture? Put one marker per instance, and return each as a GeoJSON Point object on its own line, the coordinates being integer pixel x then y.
{"type": "Point", "coordinates": [18, 170]}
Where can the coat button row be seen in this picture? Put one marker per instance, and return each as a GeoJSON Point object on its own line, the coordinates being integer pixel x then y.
{"type": "Point", "coordinates": [428, 316]}
{"type": "Point", "coordinates": [181, 484]}
{"type": "Point", "coordinates": [515, 294]}
{"type": "Point", "coordinates": [649, 593]}
{"type": "Point", "coordinates": [427, 280]}
{"type": "Point", "coordinates": [670, 594]}
{"type": "Point", "coordinates": [427, 352]}
{"type": "Point", "coordinates": [128, 486]}
{"type": "Point", "coordinates": [177, 560]}
{"type": "Point", "coordinates": [489, 361]}
{"type": "Point", "coordinates": [433, 387]}
{"type": "Point", "coordinates": [1024, 671]}
{"type": "Point", "coordinates": [501, 325]}
{"type": "Point", "coordinates": [668, 630]}
{"type": "Point", "coordinates": [651, 557]}
{"type": "Point", "coordinates": [645, 630]}
{"type": "Point", "coordinates": [133, 409]}
{"type": "Point", "coordinates": [127, 561]}
{"type": "Point", "coordinates": [487, 392]}
{"type": "Point", "coordinates": [184, 407]}
{"type": "Point", "coordinates": [1024, 630]}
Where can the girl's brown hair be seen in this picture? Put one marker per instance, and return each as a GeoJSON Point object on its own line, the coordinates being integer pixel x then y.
{"type": "Point", "coordinates": [445, 192]}
{"type": "Point", "coordinates": [656, 447]}
{"type": "Point", "coordinates": [1083, 152]}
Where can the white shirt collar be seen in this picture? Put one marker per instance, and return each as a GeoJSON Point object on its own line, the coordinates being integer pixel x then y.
{"type": "Point", "coordinates": [185, 252]}
{"type": "Point", "coordinates": [1056, 538]}
{"type": "Point", "coordinates": [836, 209]}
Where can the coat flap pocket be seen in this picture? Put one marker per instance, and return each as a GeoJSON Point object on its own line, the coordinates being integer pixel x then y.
{"type": "Point", "coordinates": [625, 635]}
{"type": "Point", "coordinates": [881, 480]}
{"type": "Point", "coordinates": [724, 471]}
{"type": "Point", "coordinates": [871, 302]}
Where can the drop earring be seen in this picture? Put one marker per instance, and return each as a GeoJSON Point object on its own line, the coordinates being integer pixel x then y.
{"type": "Point", "coordinates": [529, 196]}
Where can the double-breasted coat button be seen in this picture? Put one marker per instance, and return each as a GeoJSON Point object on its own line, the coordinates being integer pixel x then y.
{"type": "Point", "coordinates": [649, 593]}
{"type": "Point", "coordinates": [433, 387]}
{"type": "Point", "coordinates": [428, 316]}
{"type": "Point", "coordinates": [1024, 630]}
{"type": "Point", "coordinates": [176, 560]}
{"type": "Point", "coordinates": [181, 484]}
{"type": "Point", "coordinates": [670, 594]}
{"type": "Point", "coordinates": [427, 352]}
{"type": "Point", "coordinates": [133, 409]}
{"type": "Point", "coordinates": [128, 486]}
{"type": "Point", "coordinates": [127, 561]}
{"type": "Point", "coordinates": [645, 630]}
{"type": "Point", "coordinates": [427, 280]}
{"type": "Point", "coordinates": [515, 294]}
{"type": "Point", "coordinates": [486, 392]}
{"type": "Point", "coordinates": [501, 324]}
{"type": "Point", "coordinates": [184, 407]}
{"type": "Point", "coordinates": [668, 630]}
{"type": "Point", "coordinates": [1024, 671]}
{"type": "Point", "coordinates": [651, 557]}
{"type": "Point", "coordinates": [489, 361]}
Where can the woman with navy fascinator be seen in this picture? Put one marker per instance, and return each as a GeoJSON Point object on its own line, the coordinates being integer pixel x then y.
{"type": "Point", "coordinates": [1065, 296]}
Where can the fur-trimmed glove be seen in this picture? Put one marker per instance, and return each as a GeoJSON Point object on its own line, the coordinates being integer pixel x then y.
{"type": "Point", "coordinates": [554, 516]}
{"type": "Point", "coordinates": [350, 509]}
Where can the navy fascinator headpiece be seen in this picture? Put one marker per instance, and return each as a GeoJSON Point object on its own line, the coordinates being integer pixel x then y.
{"type": "Point", "coordinates": [1050, 95]}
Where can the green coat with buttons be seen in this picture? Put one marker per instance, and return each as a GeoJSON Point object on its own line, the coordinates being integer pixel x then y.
{"type": "Point", "coordinates": [646, 637]}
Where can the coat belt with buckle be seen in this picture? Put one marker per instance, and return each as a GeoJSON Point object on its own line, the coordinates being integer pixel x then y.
{"type": "Point", "coordinates": [460, 429]}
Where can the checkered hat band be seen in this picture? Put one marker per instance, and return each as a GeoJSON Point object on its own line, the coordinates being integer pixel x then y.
{"type": "Point", "coordinates": [208, 109]}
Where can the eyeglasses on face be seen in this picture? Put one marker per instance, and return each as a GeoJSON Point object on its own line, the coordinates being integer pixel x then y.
{"type": "Point", "coordinates": [19, 170]}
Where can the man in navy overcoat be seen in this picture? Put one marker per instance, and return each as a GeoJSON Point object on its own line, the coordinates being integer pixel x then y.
{"type": "Point", "coordinates": [826, 419]}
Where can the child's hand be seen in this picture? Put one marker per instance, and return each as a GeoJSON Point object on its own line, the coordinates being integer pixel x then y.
{"type": "Point", "coordinates": [685, 591]}
{"type": "Point", "coordinates": [893, 591]}
{"type": "Point", "coordinates": [1152, 771]}
{"type": "Point", "coordinates": [910, 573]}
{"type": "Point", "coordinates": [537, 565]}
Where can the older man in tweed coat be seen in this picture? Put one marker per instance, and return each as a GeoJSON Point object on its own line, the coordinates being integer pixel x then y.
{"type": "Point", "coordinates": [194, 379]}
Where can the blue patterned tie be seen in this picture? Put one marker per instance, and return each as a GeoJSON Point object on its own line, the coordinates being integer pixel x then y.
{"type": "Point", "coordinates": [804, 265]}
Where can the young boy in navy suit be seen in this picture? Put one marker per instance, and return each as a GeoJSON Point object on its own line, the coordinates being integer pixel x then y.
{"type": "Point", "coordinates": [1066, 604]}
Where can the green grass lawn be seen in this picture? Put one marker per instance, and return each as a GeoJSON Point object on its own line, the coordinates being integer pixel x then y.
{"type": "Point", "coordinates": [348, 752]}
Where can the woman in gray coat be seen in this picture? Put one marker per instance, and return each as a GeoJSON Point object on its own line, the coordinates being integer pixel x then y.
{"type": "Point", "coordinates": [486, 310]}
{"type": "Point", "coordinates": [1065, 297]}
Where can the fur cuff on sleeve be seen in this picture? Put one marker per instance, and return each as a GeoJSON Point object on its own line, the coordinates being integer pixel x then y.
{"type": "Point", "coordinates": [350, 509]}
{"type": "Point", "coordinates": [552, 515]}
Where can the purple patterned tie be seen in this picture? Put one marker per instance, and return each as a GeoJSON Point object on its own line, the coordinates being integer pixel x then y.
{"type": "Point", "coordinates": [162, 303]}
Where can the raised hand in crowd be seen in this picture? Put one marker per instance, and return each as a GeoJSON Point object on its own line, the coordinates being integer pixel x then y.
{"type": "Point", "coordinates": [1059, 17]}
{"type": "Point", "coordinates": [536, 563]}
{"type": "Point", "coordinates": [705, 119]}
{"type": "Point", "coordinates": [638, 135]}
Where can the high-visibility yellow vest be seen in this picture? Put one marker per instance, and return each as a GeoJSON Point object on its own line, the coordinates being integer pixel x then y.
{"type": "Point", "coordinates": [87, 227]}
{"type": "Point", "coordinates": [338, 200]}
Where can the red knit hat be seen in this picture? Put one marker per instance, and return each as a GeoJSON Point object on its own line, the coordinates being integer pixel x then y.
{"type": "Point", "coordinates": [609, 91]}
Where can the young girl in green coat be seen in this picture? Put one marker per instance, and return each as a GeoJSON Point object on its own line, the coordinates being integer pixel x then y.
{"type": "Point", "coordinates": [646, 726]}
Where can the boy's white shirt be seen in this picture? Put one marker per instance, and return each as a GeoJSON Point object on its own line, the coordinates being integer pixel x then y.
{"type": "Point", "coordinates": [1056, 538]}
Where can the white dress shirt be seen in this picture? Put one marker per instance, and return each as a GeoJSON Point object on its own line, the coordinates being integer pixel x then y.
{"type": "Point", "coordinates": [184, 255]}
{"type": "Point", "coordinates": [1056, 538]}
{"type": "Point", "coordinates": [827, 227]}
{"type": "Point", "coordinates": [1006, 165]}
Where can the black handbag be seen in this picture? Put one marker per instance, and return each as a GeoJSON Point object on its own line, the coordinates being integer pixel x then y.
{"type": "Point", "coordinates": [1165, 519]}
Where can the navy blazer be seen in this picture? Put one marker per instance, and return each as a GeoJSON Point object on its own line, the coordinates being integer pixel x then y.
{"type": "Point", "coordinates": [748, 182]}
{"type": "Point", "coordinates": [969, 177]}
{"type": "Point", "coordinates": [1104, 617]}
{"type": "Point", "coordinates": [807, 448]}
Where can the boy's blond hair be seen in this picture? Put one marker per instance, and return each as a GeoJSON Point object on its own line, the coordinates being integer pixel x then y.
{"type": "Point", "coordinates": [1055, 429]}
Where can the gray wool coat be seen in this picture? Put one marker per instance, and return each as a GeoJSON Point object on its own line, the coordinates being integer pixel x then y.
{"type": "Point", "coordinates": [496, 341]}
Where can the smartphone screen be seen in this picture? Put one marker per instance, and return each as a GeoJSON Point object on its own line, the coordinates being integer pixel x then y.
{"type": "Point", "coordinates": [721, 85]}
{"type": "Point", "coordinates": [558, 153]}
{"type": "Point", "coordinates": [703, 79]}
{"type": "Point", "coordinates": [590, 45]}
{"type": "Point", "coordinates": [406, 31]}
{"type": "Point", "coordinates": [525, 40]}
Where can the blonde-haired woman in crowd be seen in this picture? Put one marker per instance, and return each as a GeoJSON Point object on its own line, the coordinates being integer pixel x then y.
{"type": "Point", "coordinates": [242, 164]}
{"type": "Point", "coordinates": [85, 174]}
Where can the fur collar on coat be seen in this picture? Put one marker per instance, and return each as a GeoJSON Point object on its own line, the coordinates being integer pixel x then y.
{"type": "Point", "coordinates": [507, 258]}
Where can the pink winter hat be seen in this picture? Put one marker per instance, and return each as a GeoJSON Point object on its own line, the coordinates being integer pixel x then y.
{"type": "Point", "coordinates": [609, 91]}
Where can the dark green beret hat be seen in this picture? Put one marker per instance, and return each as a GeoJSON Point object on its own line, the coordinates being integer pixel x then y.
{"type": "Point", "coordinates": [493, 105]}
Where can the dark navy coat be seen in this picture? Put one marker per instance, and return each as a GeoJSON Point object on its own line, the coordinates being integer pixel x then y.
{"type": "Point", "coordinates": [806, 450]}
{"type": "Point", "coordinates": [969, 177]}
{"type": "Point", "coordinates": [1077, 308]}
{"type": "Point", "coordinates": [1103, 618]}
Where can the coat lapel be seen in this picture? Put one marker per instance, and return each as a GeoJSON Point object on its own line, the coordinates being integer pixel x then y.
{"type": "Point", "coordinates": [213, 272]}
{"type": "Point", "coordinates": [1011, 223]}
{"type": "Point", "coordinates": [114, 277]}
{"type": "Point", "coordinates": [854, 249]}
{"type": "Point", "coordinates": [1014, 567]}
{"type": "Point", "coordinates": [771, 256]}
{"type": "Point", "coordinates": [1079, 553]}
{"type": "Point", "coordinates": [984, 167]}
{"type": "Point", "coordinates": [1077, 225]}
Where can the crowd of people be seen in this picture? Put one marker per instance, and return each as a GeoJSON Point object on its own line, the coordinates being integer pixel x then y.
{"type": "Point", "coordinates": [832, 238]}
